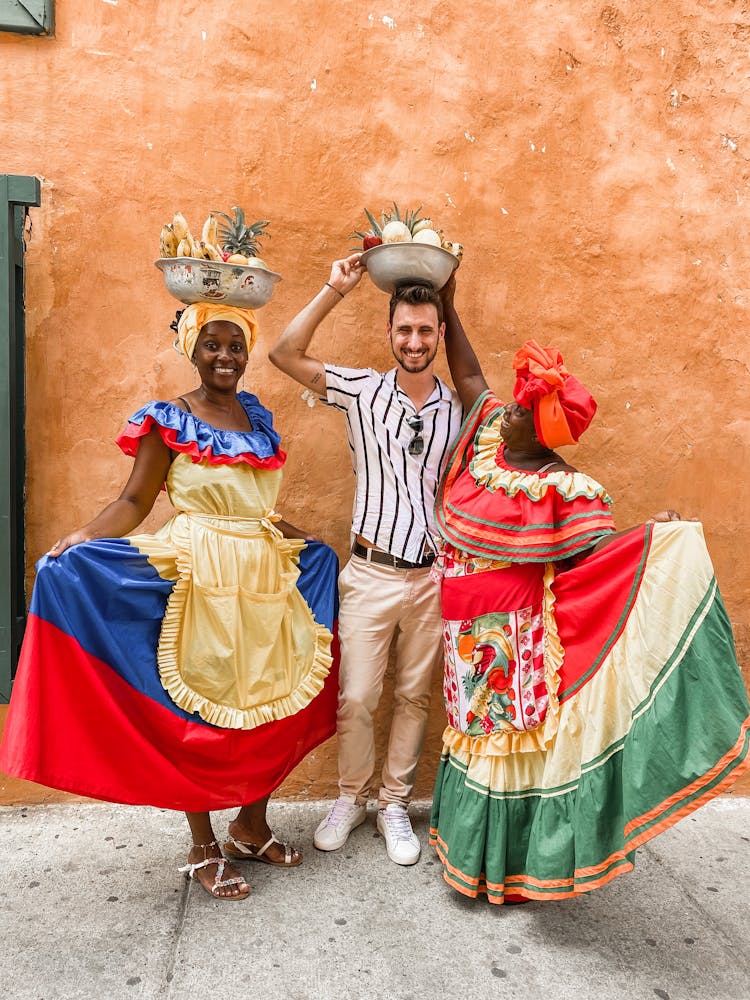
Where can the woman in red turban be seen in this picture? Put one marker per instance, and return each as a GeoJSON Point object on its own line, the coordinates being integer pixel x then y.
{"type": "Point", "coordinates": [591, 686]}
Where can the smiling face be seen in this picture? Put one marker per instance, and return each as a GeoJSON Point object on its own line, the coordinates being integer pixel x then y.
{"type": "Point", "coordinates": [415, 335]}
{"type": "Point", "coordinates": [220, 355]}
{"type": "Point", "coordinates": [517, 427]}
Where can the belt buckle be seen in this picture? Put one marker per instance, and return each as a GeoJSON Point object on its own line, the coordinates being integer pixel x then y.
{"type": "Point", "coordinates": [373, 555]}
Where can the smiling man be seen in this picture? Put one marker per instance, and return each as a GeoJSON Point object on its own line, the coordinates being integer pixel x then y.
{"type": "Point", "coordinates": [400, 425]}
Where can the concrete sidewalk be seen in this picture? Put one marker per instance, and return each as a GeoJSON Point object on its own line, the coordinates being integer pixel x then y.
{"type": "Point", "coordinates": [92, 907]}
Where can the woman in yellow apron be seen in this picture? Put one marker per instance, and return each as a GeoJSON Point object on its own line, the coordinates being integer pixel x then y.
{"type": "Point", "coordinates": [189, 669]}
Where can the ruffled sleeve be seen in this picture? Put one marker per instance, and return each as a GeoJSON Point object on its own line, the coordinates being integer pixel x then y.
{"type": "Point", "coordinates": [185, 433]}
{"type": "Point", "coordinates": [486, 508]}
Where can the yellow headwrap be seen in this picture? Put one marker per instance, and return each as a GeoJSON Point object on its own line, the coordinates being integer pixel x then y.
{"type": "Point", "coordinates": [195, 317]}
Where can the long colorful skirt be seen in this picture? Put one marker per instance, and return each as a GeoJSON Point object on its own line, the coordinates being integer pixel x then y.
{"type": "Point", "coordinates": [648, 719]}
{"type": "Point", "coordinates": [89, 714]}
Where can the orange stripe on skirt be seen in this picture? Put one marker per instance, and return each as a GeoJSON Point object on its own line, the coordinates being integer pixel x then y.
{"type": "Point", "coordinates": [696, 785]}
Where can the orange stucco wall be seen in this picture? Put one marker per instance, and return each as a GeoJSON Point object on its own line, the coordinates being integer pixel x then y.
{"type": "Point", "coordinates": [592, 159]}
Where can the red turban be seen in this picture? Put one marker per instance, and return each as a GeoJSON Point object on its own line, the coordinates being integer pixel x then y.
{"type": "Point", "coordinates": [562, 407]}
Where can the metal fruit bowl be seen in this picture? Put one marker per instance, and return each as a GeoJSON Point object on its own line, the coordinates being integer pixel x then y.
{"type": "Point", "coordinates": [192, 280]}
{"type": "Point", "coordinates": [393, 264]}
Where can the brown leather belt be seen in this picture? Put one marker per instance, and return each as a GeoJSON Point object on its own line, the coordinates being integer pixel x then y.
{"type": "Point", "coordinates": [376, 556]}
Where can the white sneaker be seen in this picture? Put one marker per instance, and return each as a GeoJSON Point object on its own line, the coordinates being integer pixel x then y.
{"type": "Point", "coordinates": [343, 817]}
{"type": "Point", "coordinates": [401, 842]}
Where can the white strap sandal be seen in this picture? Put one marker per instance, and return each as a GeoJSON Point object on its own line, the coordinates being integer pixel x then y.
{"type": "Point", "coordinates": [241, 850]}
{"type": "Point", "coordinates": [219, 883]}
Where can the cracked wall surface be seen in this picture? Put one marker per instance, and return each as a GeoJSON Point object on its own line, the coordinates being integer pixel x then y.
{"type": "Point", "coordinates": [593, 159]}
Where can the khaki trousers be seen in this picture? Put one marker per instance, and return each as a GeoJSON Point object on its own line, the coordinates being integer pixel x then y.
{"type": "Point", "coordinates": [376, 601]}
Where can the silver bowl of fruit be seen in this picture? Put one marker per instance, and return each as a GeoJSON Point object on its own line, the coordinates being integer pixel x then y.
{"type": "Point", "coordinates": [392, 264]}
{"type": "Point", "coordinates": [191, 280]}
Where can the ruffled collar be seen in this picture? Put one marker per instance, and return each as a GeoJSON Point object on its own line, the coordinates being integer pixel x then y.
{"type": "Point", "coordinates": [490, 469]}
{"type": "Point", "coordinates": [185, 432]}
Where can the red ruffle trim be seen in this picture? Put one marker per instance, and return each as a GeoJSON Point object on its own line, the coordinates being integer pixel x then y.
{"type": "Point", "coordinates": [129, 442]}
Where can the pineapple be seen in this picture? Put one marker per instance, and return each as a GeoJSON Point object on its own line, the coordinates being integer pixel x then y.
{"type": "Point", "coordinates": [239, 241]}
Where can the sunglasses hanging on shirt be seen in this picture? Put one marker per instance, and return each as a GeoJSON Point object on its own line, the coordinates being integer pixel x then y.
{"type": "Point", "coordinates": [416, 445]}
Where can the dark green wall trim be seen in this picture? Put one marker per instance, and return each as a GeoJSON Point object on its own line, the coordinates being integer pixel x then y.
{"type": "Point", "coordinates": [16, 195]}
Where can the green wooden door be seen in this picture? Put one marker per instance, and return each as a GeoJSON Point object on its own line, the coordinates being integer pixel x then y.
{"type": "Point", "coordinates": [16, 195]}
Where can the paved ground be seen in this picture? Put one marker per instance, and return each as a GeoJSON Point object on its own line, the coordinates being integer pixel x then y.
{"type": "Point", "coordinates": [91, 906]}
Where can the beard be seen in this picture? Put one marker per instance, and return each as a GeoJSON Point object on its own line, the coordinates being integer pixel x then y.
{"type": "Point", "coordinates": [414, 365]}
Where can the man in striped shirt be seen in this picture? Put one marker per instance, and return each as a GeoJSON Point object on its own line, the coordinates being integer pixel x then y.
{"type": "Point", "coordinates": [400, 425]}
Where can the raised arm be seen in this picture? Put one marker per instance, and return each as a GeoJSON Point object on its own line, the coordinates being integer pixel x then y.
{"type": "Point", "coordinates": [134, 503]}
{"type": "Point", "coordinates": [466, 371]}
{"type": "Point", "coordinates": [289, 353]}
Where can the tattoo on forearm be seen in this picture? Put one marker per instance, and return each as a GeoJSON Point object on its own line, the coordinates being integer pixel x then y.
{"type": "Point", "coordinates": [315, 378]}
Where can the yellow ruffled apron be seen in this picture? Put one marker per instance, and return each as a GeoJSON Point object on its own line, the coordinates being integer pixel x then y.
{"type": "Point", "coordinates": [239, 644]}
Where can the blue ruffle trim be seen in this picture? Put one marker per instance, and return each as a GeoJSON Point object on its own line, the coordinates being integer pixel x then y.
{"type": "Point", "coordinates": [262, 440]}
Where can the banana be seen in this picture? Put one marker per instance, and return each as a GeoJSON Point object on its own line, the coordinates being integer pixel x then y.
{"type": "Point", "coordinates": [194, 246]}
{"type": "Point", "coordinates": [210, 251]}
{"type": "Point", "coordinates": [184, 249]}
{"type": "Point", "coordinates": [210, 231]}
{"type": "Point", "coordinates": [167, 242]}
{"type": "Point", "coordinates": [180, 226]}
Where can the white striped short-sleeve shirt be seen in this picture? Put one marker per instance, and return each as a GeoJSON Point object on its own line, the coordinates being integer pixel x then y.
{"type": "Point", "coordinates": [395, 492]}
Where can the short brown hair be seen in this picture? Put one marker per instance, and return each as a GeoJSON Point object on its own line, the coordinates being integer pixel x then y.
{"type": "Point", "coordinates": [416, 295]}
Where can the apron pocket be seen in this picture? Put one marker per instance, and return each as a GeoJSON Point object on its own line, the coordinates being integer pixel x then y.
{"type": "Point", "coordinates": [235, 647]}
